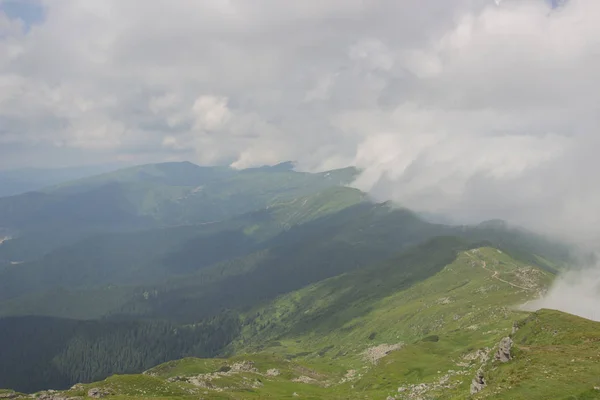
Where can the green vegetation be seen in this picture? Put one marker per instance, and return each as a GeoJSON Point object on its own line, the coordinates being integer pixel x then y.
{"type": "Point", "coordinates": [42, 352]}
{"type": "Point", "coordinates": [434, 336]}
{"type": "Point", "coordinates": [557, 356]}
{"type": "Point", "coordinates": [297, 284]}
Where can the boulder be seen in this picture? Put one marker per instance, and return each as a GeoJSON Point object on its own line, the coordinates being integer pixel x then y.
{"type": "Point", "coordinates": [503, 353]}
{"type": "Point", "coordinates": [478, 382]}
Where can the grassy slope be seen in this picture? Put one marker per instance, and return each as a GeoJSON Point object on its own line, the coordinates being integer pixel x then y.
{"type": "Point", "coordinates": [137, 258]}
{"type": "Point", "coordinates": [167, 194]}
{"type": "Point", "coordinates": [556, 356]}
{"type": "Point", "coordinates": [144, 197]}
{"type": "Point", "coordinates": [443, 321]}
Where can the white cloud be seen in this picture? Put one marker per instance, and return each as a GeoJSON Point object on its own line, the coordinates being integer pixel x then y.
{"type": "Point", "coordinates": [465, 107]}
{"type": "Point", "coordinates": [210, 113]}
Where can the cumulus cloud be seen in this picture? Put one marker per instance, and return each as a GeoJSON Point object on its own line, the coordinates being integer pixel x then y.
{"type": "Point", "coordinates": [473, 108]}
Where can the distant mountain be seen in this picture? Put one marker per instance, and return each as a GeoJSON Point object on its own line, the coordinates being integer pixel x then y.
{"type": "Point", "coordinates": [148, 196]}
{"type": "Point", "coordinates": [159, 194]}
{"type": "Point", "coordinates": [18, 181]}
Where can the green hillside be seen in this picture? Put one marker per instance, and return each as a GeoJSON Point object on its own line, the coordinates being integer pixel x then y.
{"type": "Point", "coordinates": [300, 286]}
{"type": "Point", "coordinates": [167, 194]}
{"type": "Point", "coordinates": [424, 340]}
{"type": "Point", "coordinates": [148, 196]}
{"type": "Point", "coordinates": [137, 258]}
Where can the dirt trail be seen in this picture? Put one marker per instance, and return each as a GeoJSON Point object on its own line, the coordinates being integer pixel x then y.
{"type": "Point", "coordinates": [495, 273]}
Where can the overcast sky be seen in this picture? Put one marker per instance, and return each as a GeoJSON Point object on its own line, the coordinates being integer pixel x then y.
{"type": "Point", "coordinates": [476, 108]}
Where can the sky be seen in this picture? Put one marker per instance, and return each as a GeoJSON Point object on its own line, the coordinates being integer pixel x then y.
{"type": "Point", "coordinates": [471, 108]}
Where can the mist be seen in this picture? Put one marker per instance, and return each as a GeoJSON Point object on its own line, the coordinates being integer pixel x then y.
{"type": "Point", "coordinates": [575, 292]}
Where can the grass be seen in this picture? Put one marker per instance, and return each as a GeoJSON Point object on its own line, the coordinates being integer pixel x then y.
{"type": "Point", "coordinates": [556, 356]}
{"type": "Point", "coordinates": [444, 323]}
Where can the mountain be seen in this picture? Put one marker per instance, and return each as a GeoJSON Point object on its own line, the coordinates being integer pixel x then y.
{"type": "Point", "coordinates": [145, 197]}
{"type": "Point", "coordinates": [427, 338]}
{"type": "Point", "coordinates": [18, 181]}
{"type": "Point", "coordinates": [297, 284]}
{"type": "Point", "coordinates": [159, 194]}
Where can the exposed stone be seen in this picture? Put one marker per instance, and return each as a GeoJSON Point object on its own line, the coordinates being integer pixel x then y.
{"type": "Point", "coordinates": [177, 379]}
{"type": "Point", "coordinates": [99, 392]}
{"type": "Point", "coordinates": [478, 382]}
{"type": "Point", "coordinates": [374, 354]}
{"type": "Point", "coordinates": [305, 379]}
{"type": "Point", "coordinates": [480, 355]}
{"type": "Point", "coordinates": [53, 396]}
{"type": "Point", "coordinates": [503, 353]}
{"type": "Point", "coordinates": [244, 366]}
{"type": "Point", "coordinates": [351, 375]}
{"type": "Point", "coordinates": [515, 327]}
{"type": "Point", "coordinates": [273, 372]}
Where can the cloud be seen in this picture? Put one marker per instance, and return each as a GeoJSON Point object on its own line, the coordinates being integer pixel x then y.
{"type": "Point", "coordinates": [575, 292]}
{"type": "Point", "coordinates": [467, 107]}
{"type": "Point", "coordinates": [472, 108]}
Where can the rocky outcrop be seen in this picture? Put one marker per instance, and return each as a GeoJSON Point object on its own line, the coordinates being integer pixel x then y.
{"type": "Point", "coordinates": [374, 354]}
{"type": "Point", "coordinates": [244, 366]}
{"type": "Point", "coordinates": [98, 393]}
{"type": "Point", "coordinates": [478, 382]}
{"type": "Point", "coordinates": [503, 353]}
{"type": "Point", "coordinates": [53, 396]}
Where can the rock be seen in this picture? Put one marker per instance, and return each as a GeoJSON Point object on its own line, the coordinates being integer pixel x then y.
{"type": "Point", "coordinates": [295, 394]}
{"type": "Point", "coordinates": [390, 398]}
{"type": "Point", "coordinates": [374, 354]}
{"type": "Point", "coordinates": [99, 392]}
{"type": "Point", "coordinates": [503, 353]}
{"type": "Point", "coordinates": [244, 366]}
{"type": "Point", "coordinates": [305, 379]}
{"type": "Point", "coordinates": [478, 382]}
{"type": "Point", "coordinates": [77, 386]}
{"type": "Point", "coordinates": [8, 395]}
{"type": "Point", "coordinates": [273, 372]}
{"type": "Point", "coordinates": [52, 396]}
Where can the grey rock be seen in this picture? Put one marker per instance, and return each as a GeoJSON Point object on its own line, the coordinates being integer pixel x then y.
{"type": "Point", "coordinates": [503, 353]}
{"type": "Point", "coordinates": [478, 382]}
{"type": "Point", "coordinates": [52, 396]}
{"type": "Point", "coordinates": [98, 393]}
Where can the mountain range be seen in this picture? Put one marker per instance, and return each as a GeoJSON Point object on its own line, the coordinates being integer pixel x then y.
{"type": "Point", "coordinates": [179, 281]}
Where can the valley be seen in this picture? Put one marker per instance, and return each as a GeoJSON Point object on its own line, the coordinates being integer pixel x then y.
{"type": "Point", "coordinates": [312, 291]}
